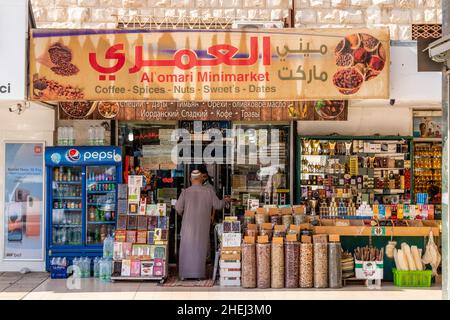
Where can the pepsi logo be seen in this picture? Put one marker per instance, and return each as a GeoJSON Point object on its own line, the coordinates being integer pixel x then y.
{"type": "Point", "coordinates": [73, 155]}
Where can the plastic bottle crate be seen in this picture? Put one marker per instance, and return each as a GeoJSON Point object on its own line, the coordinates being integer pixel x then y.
{"type": "Point", "coordinates": [417, 278]}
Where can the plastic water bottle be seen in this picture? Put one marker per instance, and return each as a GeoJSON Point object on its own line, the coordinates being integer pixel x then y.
{"type": "Point", "coordinates": [71, 140]}
{"type": "Point", "coordinates": [76, 268]}
{"type": "Point", "coordinates": [105, 269]}
{"type": "Point", "coordinates": [91, 136]}
{"type": "Point", "coordinates": [59, 136]}
{"type": "Point", "coordinates": [102, 135]}
{"type": "Point", "coordinates": [97, 267]}
{"type": "Point", "coordinates": [108, 247]}
{"type": "Point", "coordinates": [97, 135]}
{"type": "Point", "coordinates": [86, 267]}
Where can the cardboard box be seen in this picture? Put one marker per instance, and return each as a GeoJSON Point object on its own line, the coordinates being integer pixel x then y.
{"type": "Point", "coordinates": [152, 223]}
{"type": "Point", "coordinates": [158, 262]}
{"type": "Point", "coordinates": [372, 270]}
{"type": "Point", "coordinates": [151, 237]}
{"type": "Point", "coordinates": [127, 248]}
{"type": "Point", "coordinates": [162, 208]}
{"type": "Point", "coordinates": [142, 223]}
{"type": "Point", "coordinates": [121, 236]}
{"type": "Point", "coordinates": [158, 271]}
{"type": "Point", "coordinates": [158, 232]}
{"type": "Point", "coordinates": [231, 239]}
{"type": "Point", "coordinates": [232, 273]}
{"type": "Point", "coordinates": [151, 210]}
{"type": "Point", "coordinates": [146, 268]}
{"type": "Point", "coordinates": [230, 282]}
{"type": "Point", "coordinates": [118, 251]}
{"type": "Point", "coordinates": [122, 222]}
{"type": "Point", "coordinates": [126, 268]}
{"type": "Point", "coordinates": [230, 256]}
{"type": "Point", "coordinates": [132, 223]}
{"type": "Point", "coordinates": [135, 268]}
{"type": "Point", "coordinates": [141, 237]}
{"type": "Point", "coordinates": [230, 264]}
{"type": "Point", "coordinates": [131, 236]}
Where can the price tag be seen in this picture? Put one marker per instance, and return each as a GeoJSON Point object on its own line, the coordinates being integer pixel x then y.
{"type": "Point", "coordinates": [378, 231]}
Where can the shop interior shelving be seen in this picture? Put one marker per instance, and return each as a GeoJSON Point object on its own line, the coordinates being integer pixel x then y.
{"type": "Point", "coordinates": [427, 168]}
{"type": "Point", "coordinates": [303, 176]}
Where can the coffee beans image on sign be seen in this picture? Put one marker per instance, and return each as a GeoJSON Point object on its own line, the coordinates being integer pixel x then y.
{"type": "Point", "coordinates": [67, 69]}
{"type": "Point", "coordinates": [60, 54]}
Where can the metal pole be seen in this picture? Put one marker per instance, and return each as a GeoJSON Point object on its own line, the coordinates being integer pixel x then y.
{"type": "Point", "coordinates": [445, 158]}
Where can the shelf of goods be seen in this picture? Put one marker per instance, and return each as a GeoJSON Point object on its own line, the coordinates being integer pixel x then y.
{"type": "Point", "coordinates": [427, 169]}
{"type": "Point", "coordinates": [357, 169]}
{"type": "Point", "coordinates": [141, 241]}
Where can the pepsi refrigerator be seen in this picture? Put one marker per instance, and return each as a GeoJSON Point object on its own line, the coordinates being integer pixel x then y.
{"type": "Point", "coordinates": [82, 185]}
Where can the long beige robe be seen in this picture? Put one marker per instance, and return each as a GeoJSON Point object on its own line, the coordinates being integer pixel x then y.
{"type": "Point", "coordinates": [195, 205]}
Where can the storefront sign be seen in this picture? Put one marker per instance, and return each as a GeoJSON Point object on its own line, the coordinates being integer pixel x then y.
{"type": "Point", "coordinates": [13, 51]}
{"type": "Point", "coordinates": [212, 110]}
{"type": "Point", "coordinates": [82, 155]}
{"type": "Point", "coordinates": [24, 201]}
{"type": "Point", "coordinates": [206, 65]}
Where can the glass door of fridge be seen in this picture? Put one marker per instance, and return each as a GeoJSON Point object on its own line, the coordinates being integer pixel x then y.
{"type": "Point", "coordinates": [66, 206]}
{"type": "Point", "coordinates": [100, 203]}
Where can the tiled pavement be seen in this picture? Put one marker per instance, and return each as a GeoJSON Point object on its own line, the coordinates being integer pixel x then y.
{"type": "Point", "coordinates": [38, 286]}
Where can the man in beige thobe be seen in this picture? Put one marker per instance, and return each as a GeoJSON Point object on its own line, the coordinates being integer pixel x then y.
{"type": "Point", "coordinates": [195, 204]}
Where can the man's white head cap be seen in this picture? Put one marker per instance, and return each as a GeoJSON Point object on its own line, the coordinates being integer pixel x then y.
{"type": "Point", "coordinates": [196, 174]}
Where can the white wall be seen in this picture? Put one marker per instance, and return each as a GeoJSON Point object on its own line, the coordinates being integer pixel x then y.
{"type": "Point", "coordinates": [383, 120]}
{"type": "Point", "coordinates": [36, 123]}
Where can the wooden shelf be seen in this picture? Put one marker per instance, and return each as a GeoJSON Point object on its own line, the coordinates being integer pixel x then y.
{"type": "Point", "coordinates": [367, 231]}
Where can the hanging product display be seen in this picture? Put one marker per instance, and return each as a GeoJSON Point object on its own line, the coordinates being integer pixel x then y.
{"type": "Point", "coordinates": [320, 265]}
{"type": "Point", "coordinates": [263, 262]}
{"type": "Point", "coordinates": [248, 265]}
{"type": "Point", "coordinates": [334, 265]}
{"type": "Point", "coordinates": [306, 265]}
{"type": "Point", "coordinates": [277, 270]}
{"type": "Point", "coordinates": [292, 264]}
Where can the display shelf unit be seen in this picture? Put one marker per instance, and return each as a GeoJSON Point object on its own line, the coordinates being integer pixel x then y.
{"type": "Point", "coordinates": [409, 155]}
